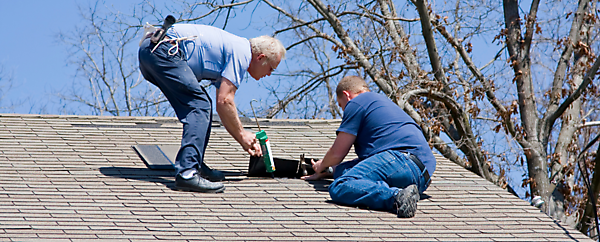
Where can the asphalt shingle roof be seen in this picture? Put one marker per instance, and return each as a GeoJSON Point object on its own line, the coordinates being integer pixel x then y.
{"type": "Point", "coordinates": [76, 178]}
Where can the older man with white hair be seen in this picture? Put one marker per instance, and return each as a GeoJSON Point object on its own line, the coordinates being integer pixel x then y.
{"type": "Point", "coordinates": [190, 53]}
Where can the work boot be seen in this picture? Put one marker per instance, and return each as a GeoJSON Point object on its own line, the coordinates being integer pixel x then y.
{"type": "Point", "coordinates": [211, 174]}
{"type": "Point", "coordinates": [406, 202]}
{"type": "Point", "coordinates": [197, 184]}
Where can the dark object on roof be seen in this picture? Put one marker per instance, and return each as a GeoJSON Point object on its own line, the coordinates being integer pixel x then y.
{"type": "Point", "coordinates": [161, 157]}
{"type": "Point", "coordinates": [283, 167]}
{"type": "Point", "coordinates": [154, 157]}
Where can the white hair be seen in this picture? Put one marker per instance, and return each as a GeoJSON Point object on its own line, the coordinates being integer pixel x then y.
{"type": "Point", "coordinates": [269, 46]}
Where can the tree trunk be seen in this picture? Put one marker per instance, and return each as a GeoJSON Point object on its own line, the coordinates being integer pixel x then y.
{"type": "Point", "coordinates": [518, 48]}
{"type": "Point", "coordinates": [570, 122]}
{"type": "Point", "coordinates": [588, 215]}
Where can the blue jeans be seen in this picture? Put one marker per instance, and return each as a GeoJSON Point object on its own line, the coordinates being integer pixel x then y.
{"type": "Point", "coordinates": [192, 105]}
{"type": "Point", "coordinates": [374, 182]}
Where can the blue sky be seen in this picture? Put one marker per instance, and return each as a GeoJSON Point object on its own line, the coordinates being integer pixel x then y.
{"type": "Point", "coordinates": [38, 61]}
{"type": "Point", "coordinates": [31, 52]}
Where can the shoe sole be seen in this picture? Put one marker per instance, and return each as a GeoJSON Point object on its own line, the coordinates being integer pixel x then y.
{"type": "Point", "coordinates": [185, 189]}
{"type": "Point", "coordinates": [409, 208]}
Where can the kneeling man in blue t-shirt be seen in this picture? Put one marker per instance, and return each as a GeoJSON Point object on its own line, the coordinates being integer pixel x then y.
{"type": "Point", "coordinates": [394, 160]}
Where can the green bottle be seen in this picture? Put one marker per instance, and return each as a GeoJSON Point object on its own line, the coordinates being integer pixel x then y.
{"type": "Point", "coordinates": [265, 146]}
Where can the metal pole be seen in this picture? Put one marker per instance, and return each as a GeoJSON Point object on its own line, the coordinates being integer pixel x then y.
{"type": "Point", "coordinates": [255, 114]}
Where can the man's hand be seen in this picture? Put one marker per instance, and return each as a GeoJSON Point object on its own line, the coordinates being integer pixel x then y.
{"type": "Point", "coordinates": [317, 175]}
{"type": "Point", "coordinates": [317, 166]}
{"type": "Point", "coordinates": [314, 177]}
{"type": "Point", "coordinates": [250, 143]}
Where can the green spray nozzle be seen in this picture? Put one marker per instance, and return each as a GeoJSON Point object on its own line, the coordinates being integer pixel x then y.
{"type": "Point", "coordinates": [265, 145]}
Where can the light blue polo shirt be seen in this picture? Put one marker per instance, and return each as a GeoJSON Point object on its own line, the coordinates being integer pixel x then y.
{"type": "Point", "coordinates": [214, 53]}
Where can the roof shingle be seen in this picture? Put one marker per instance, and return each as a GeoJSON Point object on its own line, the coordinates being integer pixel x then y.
{"type": "Point", "coordinates": [75, 178]}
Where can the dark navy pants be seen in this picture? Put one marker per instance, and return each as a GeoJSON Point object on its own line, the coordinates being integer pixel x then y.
{"type": "Point", "coordinates": [375, 181]}
{"type": "Point", "coordinates": [188, 98]}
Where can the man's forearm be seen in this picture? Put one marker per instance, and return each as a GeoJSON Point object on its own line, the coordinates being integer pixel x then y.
{"type": "Point", "coordinates": [331, 159]}
{"type": "Point", "coordinates": [337, 152]}
{"type": "Point", "coordinates": [229, 117]}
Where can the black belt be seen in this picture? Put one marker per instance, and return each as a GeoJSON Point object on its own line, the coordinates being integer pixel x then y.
{"type": "Point", "coordinates": [416, 160]}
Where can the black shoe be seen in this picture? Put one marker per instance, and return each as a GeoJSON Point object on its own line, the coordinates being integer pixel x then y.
{"type": "Point", "coordinates": [197, 184]}
{"type": "Point", "coordinates": [210, 174]}
{"type": "Point", "coordinates": [406, 202]}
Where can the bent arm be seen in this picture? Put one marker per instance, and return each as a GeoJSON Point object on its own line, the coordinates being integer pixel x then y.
{"type": "Point", "coordinates": [337, 152]}
{"type": "Point", "coordinates": [229, 117]}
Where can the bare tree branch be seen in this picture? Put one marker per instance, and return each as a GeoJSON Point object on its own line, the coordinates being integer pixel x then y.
{"type": "Point", "coordinates": [434, 57]}
{"type": "Point", "coordinates": [305, 88]}
{"type": "Point", "coordinates": [488, 87]}
{"type": "Point", "coordinates": [302, 22]}
{"type": "Point", "coordinates": [587, 79]}
{"type": "Point", "coordinates": [384, 17]}
{"type": "Point", "coordinates": [213, 7]}
{"type": "Point", "coordinates": [401, 41]}
{"type": "Point", "coordinates": [351, 46]}
{"type": "Point", "coordinates": [559, 75]}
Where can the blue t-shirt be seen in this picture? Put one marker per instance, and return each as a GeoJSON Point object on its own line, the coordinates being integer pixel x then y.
{"type": "Point", "coordinates": [214, 53]}
{"type": "Point", "coordinates": [380, 125]}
